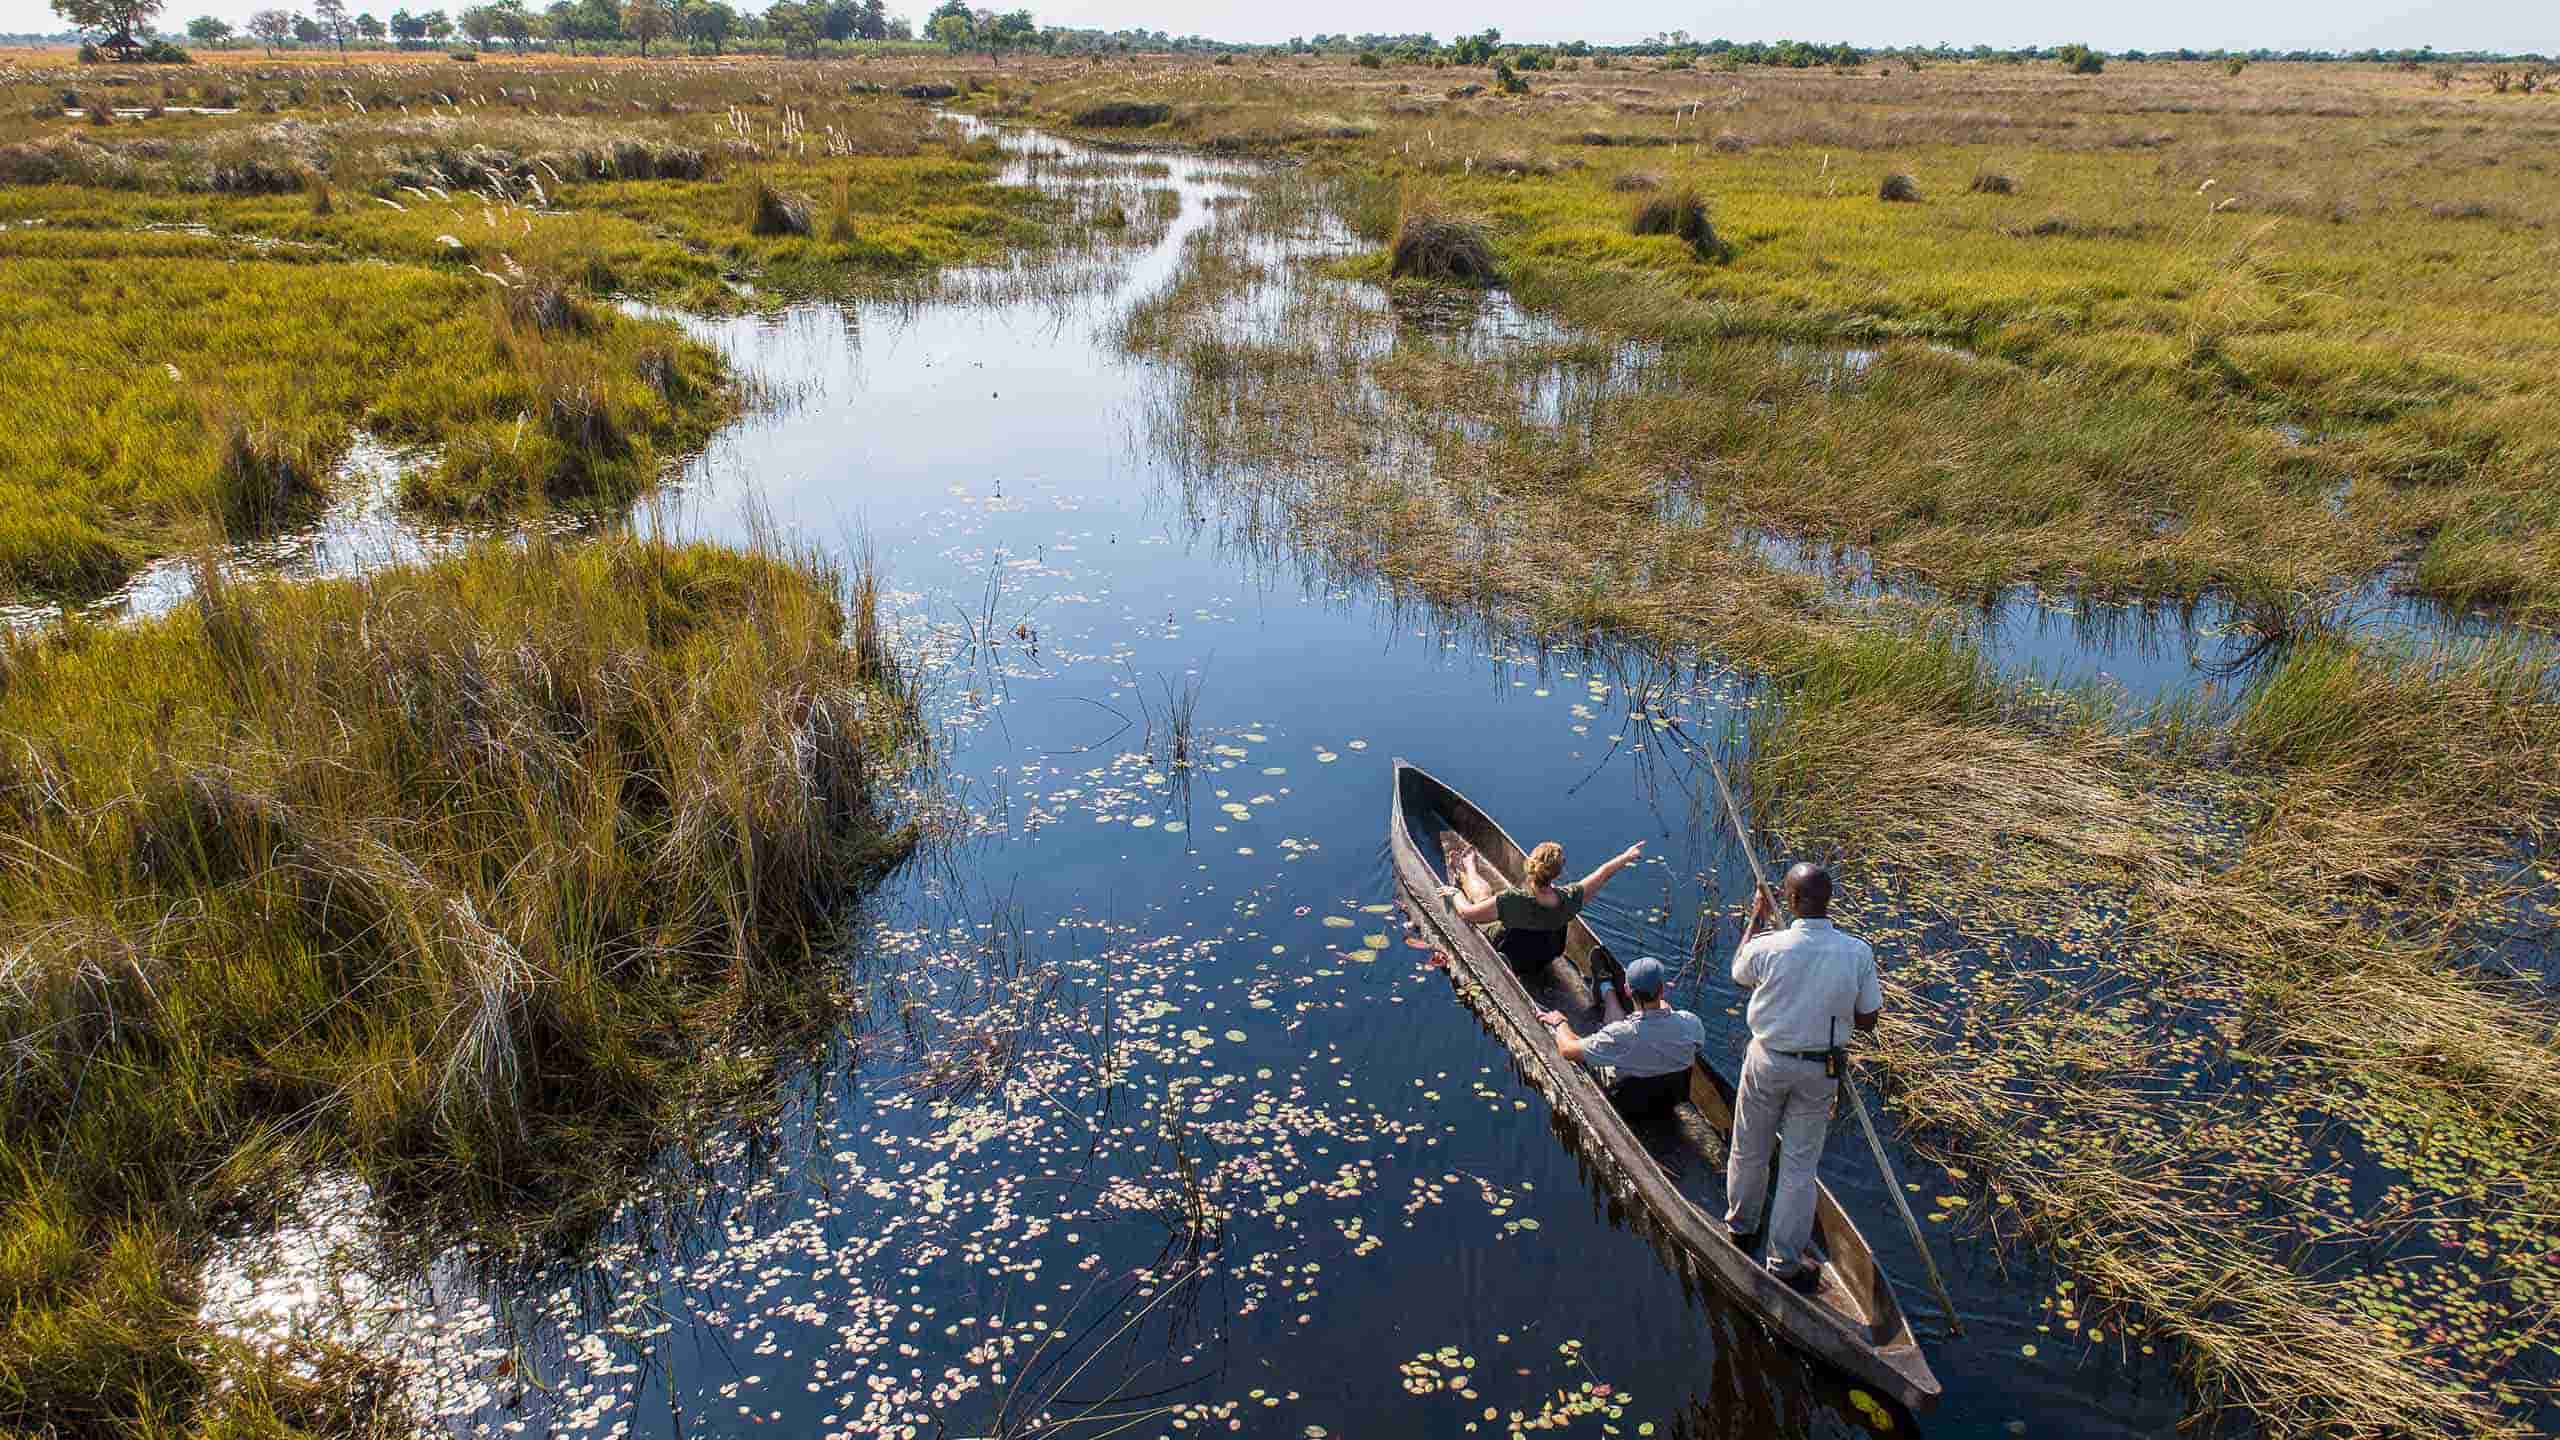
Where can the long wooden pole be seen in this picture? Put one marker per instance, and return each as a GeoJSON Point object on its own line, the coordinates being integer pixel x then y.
{"type": "Point", "coordinates": [1857, 1102]}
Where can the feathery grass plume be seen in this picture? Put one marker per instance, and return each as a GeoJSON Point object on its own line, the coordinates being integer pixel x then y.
{"type": "Point", "coordinates": [1435, 243]}
{"type": "Point", "coordinates": [1682, 213]}
{"type": "Point", "coordinates": [770, 211]}
{"type": "Point", "coordinates": [1898, 187]}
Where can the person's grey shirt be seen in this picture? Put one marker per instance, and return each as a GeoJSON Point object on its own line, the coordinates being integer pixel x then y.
{"type": "Point", "coordinates": [1808, 984]}
{"type": "Point", "coordinates": [1647, 1043]}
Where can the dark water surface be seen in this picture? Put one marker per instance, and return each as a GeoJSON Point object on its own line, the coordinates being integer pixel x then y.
{"type": "Point", "coordinates": [1156, 1125]}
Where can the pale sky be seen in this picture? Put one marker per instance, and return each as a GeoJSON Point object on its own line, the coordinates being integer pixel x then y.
{"type": "Point", "coordinates": [2505, 25]}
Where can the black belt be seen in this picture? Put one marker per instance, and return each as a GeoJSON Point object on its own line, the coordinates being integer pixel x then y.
{"type": "Point", "coordinates": [1818, 1057]}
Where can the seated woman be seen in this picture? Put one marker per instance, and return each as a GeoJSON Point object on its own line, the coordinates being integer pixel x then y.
{"type": "Point", "coordinates": [1534, 916]}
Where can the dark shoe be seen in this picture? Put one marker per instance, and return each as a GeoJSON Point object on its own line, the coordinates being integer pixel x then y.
{"type": "Point", "coordinates": [1745, 1241]}
{"type": "Point", "coordinates": [1804, 1279]}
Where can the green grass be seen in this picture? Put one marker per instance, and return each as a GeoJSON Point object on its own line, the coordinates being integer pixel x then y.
{"type": "Point", "coordinates": [902, 216]}
{"type": "Point", "coordinates": [159, 307]}
{"type": "Point", "coordinates": [132, 359]}
{"type": "Point", "coordinates": [459, 877]}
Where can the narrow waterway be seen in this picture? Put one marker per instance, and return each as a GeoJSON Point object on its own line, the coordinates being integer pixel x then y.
{"type": "Point", "coordinates": [1156, 1124]}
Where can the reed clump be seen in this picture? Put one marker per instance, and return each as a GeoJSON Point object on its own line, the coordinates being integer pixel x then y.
{"type": "Point", "coordinates": [1439, 245]}
{"type": "Point", "coordinates": [772, 212]}
{"type": "Point", "coordinates": [550, 306]}
{"type": "Point", "coordinates": [263, 482]}
{"type": "Point", "coordinates": [453, 877]}
{"type": "Point", "coordinates": [1682, 214]}
{"type": "Point", "coordinates": [1898, 188]}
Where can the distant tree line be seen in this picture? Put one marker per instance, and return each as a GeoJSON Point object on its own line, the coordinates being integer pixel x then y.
{"type": "Point", "coordinates": [124, 30]}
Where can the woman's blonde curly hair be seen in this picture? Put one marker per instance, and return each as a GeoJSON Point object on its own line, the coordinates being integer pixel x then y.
{"type": "Point", "coordinates": [1546, 863]}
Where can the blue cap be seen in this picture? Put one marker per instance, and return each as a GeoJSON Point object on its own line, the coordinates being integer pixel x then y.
{"type": "Point", "coordinates": [1645, 977]}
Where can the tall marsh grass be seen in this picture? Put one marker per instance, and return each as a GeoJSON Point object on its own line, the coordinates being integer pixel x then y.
{"type": "Point", "coordinates": [457, 876]}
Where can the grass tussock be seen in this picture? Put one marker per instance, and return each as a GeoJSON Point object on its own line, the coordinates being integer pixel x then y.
{"type": "Point", "coordinates": [770, 211]}
{"type": "Point", "coordinates": [264, 482]}
{"type": "Point", "coordinates": [1437, 245]}
{"type": "Point", "coordinates": [1991, 182]}
{"type": "Point", "coordinates": [1122, 115]}
{"type": "Point", "coordinates": [1683, 215]}
{"type": "Point", "coordinates": [467, 877]}
{"type": "Point", "coordinates": [1898, 188]}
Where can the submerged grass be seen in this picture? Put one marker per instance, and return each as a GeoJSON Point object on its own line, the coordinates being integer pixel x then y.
{"type": "Point", "coordinates": [466, 877]}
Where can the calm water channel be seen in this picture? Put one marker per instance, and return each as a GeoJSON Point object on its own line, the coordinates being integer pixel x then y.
{"type": "Point", "coordinates": [1157, 1125]}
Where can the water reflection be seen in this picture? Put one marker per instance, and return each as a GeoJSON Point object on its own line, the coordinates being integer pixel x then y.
{"type": "Point", "coordinates": [2147, 651]}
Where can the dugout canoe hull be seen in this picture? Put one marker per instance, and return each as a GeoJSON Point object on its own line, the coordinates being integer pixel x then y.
{"type": "Point", "coordinates": [1854, 1322]}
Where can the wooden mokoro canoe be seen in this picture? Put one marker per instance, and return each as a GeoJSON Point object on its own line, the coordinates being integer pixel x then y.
{"type": "Point", "coordinates": [1854, 1322]}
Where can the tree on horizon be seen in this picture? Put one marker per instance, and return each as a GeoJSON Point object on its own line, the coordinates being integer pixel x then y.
{"type": "Point", "coordinates": [118, 24]}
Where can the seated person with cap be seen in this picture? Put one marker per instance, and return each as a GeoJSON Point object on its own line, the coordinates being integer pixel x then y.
{"type": "Point", "coordinates": [1650, 1050]}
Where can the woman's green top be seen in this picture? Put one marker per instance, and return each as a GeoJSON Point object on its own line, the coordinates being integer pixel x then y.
{"type": "Point", "coordinates": [1517, 909]}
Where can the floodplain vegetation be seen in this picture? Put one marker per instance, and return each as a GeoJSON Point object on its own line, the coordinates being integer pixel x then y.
{"type": "Point", "coordinates": [217, 278]}
{"type": "Point", "coordinates": [2158, 331]}
{"type": "Point", "coordinates": [478, 880]}
{"type": "Point", "coordinates": [2229, 1000]}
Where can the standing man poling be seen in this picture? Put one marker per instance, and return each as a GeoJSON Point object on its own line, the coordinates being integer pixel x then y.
{"type": "Point", "coordinates": [1810, 986]}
